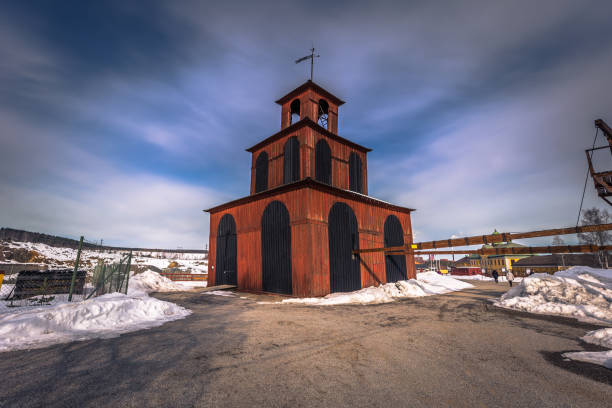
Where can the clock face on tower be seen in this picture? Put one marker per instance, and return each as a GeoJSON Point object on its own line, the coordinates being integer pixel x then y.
{"type": "Point", "coordinates": [323, 120]}
{"type": "Point", "coordinates": [323, 113]}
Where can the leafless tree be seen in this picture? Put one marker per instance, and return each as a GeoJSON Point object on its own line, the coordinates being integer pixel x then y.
{"type": "Point", "coordinates": [594, 216]}
{"type": "Point", "coordinates": [558, 241]}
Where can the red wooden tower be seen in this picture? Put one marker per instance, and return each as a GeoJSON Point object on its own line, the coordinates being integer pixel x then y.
{"type": "Point", "coordinates": [308, 209]}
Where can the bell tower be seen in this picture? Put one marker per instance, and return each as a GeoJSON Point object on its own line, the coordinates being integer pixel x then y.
{"type": "Point", "coordinates": [313, 102]}
{"type": "Point", "coordinates": [308, 145]}
{"type": "Point", "coordinates": [307, 211]}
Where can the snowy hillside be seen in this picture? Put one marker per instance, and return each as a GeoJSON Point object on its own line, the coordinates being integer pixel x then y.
{"type": "Point", "coordinates": [54, 257]}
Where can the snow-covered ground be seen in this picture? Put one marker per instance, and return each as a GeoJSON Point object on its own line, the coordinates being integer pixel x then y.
{"type": "Point", "coordinates": [101, 317]}
{"type": "Point", "coordinates": [426, 284]}
{"type": "Point", "coordinates": [484, 278]}
{"type": "Point", "coordinates": [192, 284]}
{"type": "Point", "coordinates": [580, 292]}
{"type": "Point", "coordinates": [219, 293]}
{"type": "Point", "coordinates": [150, 281]}
{"type": "Point", "coordinates": [57, 257]}
{"type": "Point", "coordinates": [472, 277]}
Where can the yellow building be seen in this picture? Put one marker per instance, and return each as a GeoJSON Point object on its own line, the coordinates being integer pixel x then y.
{"type": "Point", "coordinates": [499, 263]}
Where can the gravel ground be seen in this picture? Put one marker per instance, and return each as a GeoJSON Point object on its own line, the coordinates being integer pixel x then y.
{"type": "Point", "coordinates": [454, 350]}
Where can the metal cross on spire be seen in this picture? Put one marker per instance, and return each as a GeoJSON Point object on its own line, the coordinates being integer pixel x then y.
{"type": "Point", "coordinates": [312, 56]}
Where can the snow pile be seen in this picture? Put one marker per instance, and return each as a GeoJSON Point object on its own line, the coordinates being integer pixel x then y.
{"type": "Point", "coordinates": [587, 273]}
{"type": "Point", "coordinates": [105, 316]}
{"type": "Point", "coordinates": [151, 281]}
{"type": "Point", "coordinates": [580, 292]}
{"type": "Point", "coordinates": [445, 281]}
{"type": "Point", "coordinates": [427, 283]}
{"type": "Point", "coordinates": [601, 337]}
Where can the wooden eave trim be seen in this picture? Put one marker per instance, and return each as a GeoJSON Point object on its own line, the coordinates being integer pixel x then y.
{"type": "Point", "coordinates": [307, 122]}
{"type": "Point", "coordinates": [315, 185]}
{"type": "Point", "coordinates": [310, 85]}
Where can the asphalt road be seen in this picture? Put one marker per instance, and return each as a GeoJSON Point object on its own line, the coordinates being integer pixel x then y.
{"type": "Point", "coordinates": [454, 350]}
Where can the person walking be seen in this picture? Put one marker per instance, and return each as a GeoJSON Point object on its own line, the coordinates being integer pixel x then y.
{"type": "Point", "coordinates": [510, 277]}
{"type": "Point", "coordinates": [495, 275]}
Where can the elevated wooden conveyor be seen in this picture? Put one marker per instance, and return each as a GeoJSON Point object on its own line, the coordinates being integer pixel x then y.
{"type": "Point", "coordinates": [420, 248]}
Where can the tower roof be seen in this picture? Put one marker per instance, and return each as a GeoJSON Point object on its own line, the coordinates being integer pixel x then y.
{"type": "Point", "coordinates": [316, 185]}
{"type": "Point", "coordinates": [311, 124]}
{"type": "Point", "coordinates": [312, 86]}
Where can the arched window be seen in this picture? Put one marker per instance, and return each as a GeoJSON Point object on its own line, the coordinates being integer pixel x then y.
{"type": "Point", "coordinates": [323, 113]}
{"type": "Point", "coordinates": [323, 162]}
{"type": "Point", "coordinates": [295, 111]}
{"type": "Point", "coordinates": [344, 267]}
{"type": "Point", "coordinates": [261, 172]}
{"type": "Point", "coordinates": [292, 161]}
{"type": "Point", "coordinates": [226, 274]}
{"type": "Point", "coordinates": [395, 265]}
{"type": "Point", "coordinates": [355, 173]}
{"type": "Point", "coordinates": [276, 249]}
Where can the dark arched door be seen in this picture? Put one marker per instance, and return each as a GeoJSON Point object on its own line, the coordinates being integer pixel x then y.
{"type": "Point", "coordinates": [323, 162]}
{"type": "Point", "coordinates": [395, 265]}
{"type": "Point", "coordinates": [291, 169]}
{"type": "Point", "coordinates": [344, 267]}
{"type": "Point", "coordinates": [355, 173]}
{"type": "Point", "coordinates": [226, 269]}
{"type": "Point", "coordinates": [276, 249]}
{"type": "Point", "coordinates": [261, 172]}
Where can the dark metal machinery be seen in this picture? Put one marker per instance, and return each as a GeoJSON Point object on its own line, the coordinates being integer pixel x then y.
{"type": "Point", "coordinates": [602, 180]}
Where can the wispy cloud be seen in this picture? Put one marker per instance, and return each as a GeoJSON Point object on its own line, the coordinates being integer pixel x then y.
{"type": "Point", "coordinates": [477, 111]}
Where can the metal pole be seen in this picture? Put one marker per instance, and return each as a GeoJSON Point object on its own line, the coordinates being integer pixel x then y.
{"type": "Point", "coordinates": [127, 278]}
{"type": "Point", "coordinates": [76, 267]}
{"type": "Point", "coordinates": [311, 63]}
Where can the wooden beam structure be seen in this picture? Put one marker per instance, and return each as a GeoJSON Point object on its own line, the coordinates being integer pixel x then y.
{"type": "Point", "coordinates": [561, 249]}
{"type": "Point", "coordinates": [489, 239]}
{"type": "Point", "coordinates": [602, 180]}
{"type": "Point", "coordinates": [603, 126]}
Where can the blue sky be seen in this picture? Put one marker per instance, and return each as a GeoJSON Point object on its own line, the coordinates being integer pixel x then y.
{"type": "Point", "coordinates": [123, 120]}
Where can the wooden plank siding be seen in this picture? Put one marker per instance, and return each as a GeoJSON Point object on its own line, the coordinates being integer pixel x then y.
{"type": "Point", "coordinates": [308, 209]}
{"type": "Point", "coordinates": [308, 138]}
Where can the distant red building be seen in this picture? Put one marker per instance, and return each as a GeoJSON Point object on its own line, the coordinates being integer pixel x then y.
{"type": "Point", "coordinates": [465, 270]}
{"type": "Point", "coordinates": [463, 267]}
{"type": "Point", "coordinates": [308, 210]}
